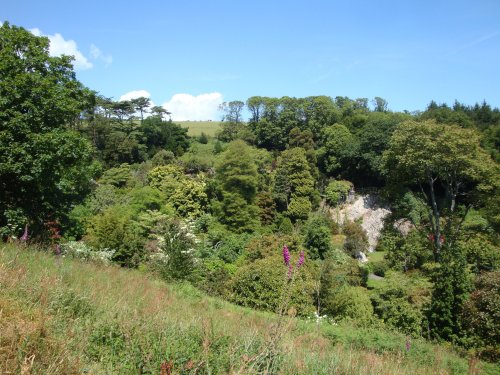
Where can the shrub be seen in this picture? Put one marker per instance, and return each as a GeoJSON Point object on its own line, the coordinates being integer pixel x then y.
{"type": "Point", "coordinates": [405, 253]}
{"type": "Point", "coordinates": [166, 178]}
{"type": "Point", "coordinates": [356, 240]}
{"type": "Point", "coordinates": [480, 252]}
{"type": "Point", "coordinates": [337, 191]}
{"type": "Point", "coordinates": [80, 250]}
{"type": "Point", "coordinates": [162, 157]}
{"type": "Point", "coordinates": [114, 230]}
{"type": "Point", "coordinates": [173, 257]}
{"type": "Point", "coordinates": [215, 277]}
{"type": "Point", "coordinates": [299, 208]}
{"type": "Point", "coordinates": [284, 224]}
{"type": "Point", "coordinates": [481, 315]}
{"type": "Point", "coordinates": [203, 138]}
{"type": "Point", "coordinates": [259, 285]}
{"type": "Point", "coordinates": [317, 237]}
{"type": "Point", "coordinates": [392, 306]}
{"type": "Point", "coordinates": [270, 245]}
{"type": "Point", "coordinates": [349, 303]}
{"type": "Point", "coordinates": [118, 176]}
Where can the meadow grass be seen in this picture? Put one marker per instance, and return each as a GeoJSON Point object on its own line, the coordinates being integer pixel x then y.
{"type": "Point", "coordinates": [62, 316]}
{"type": "Point", "coordinates": [195, 128]}
{"type": "Point", "coordinates": [376, 256]}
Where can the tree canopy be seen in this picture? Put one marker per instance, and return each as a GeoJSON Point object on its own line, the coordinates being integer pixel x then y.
{"type": "Point", "coordinates": [44, 165]}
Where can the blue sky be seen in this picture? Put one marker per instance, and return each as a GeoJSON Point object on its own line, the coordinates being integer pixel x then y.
{"type": "Point", "coordinates": [408, 52]}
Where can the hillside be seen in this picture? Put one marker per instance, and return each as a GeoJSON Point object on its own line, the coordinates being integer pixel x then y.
{"type": "Point", "coordinates": [195, 128]}
{"type": "Point", "coordinates": [62, 316]}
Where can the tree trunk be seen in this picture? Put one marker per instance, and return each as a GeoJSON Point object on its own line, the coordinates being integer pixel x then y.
{"type": "Point", "coordinates": [436, 215]}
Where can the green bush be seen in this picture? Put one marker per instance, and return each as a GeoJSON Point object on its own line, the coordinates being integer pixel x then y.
{"type": "Point", "coordinates": [299, 208]}
{"type": "Point", "coordinates": [260, 285]}
{"type": "Point", "coordinates": [481, 316]}
{"type": "Point", "coordinates": [203, 138]}
{"type": "Point", "coordinates": [337, 191]}
{"type": "Point", "coordinates": [215, 277]}
{"type": "Point", "coordinates": [119, 176]}
{"type": "Point", "coordinates": [356, 240]}
{"type": "Point", "coordinates": [405, 253]}
{"type": "Point", "coordinates": [317, 237]}
{"type": "Point", "coordinates": [392, 306]}
{"type": "Point", "coordinates": [349, 303]}
{"type": "Point", "coordinates": [114, 230]}
{"type": "Point", "coordinates": [162, 157]}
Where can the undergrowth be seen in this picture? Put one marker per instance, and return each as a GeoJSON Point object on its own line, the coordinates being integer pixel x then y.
{"type": "Point", "coordinates": [62, 316]}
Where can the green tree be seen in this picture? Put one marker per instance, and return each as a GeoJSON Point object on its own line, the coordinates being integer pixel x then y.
{"type": "Point", "coordinates": [337, 191]}
{"type": "Point", "coordinates": [339, 149]}
{"type": "Point", "coordinates": [44, 166]}
{"type": "Point", "coordinates": [165, 135]}
{"type": "Point", "coordinates": [141, 104]}
{"type": "Point", "coordinates": [237, 178]}
{"type": "Point", "coordinates": [438, 158]}
{"type": "Point", "coordinates": [159, 111]}
{"type": "Point", "coordinates": [451, 289]}
{"type": "Point", "coordinates": [293, 178]}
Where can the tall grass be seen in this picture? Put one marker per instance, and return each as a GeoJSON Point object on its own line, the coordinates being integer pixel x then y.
{"type": "Point", "coordinates": [60, 316]}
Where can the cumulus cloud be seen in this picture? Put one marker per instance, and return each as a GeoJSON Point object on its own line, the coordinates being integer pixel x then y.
{"type": "Point", "coordinates": [97, 54]}
{"type": "Point", "coordinates": [135, 94]}
{"type": "Point", "coordinates": [60, 46]}
{"type": "Point", "coordinates": [188, 107]}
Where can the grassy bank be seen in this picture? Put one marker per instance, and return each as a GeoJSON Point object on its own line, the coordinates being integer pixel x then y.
{"type": "Point", "coordinates": [195, 128]}
{"type": "Point", "coordinates": [61, 316]}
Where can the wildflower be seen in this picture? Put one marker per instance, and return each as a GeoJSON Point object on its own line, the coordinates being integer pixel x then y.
{"type": "Point", "coordinates": [408, 343]}
{"type": "Point", "coordinates": [301, 260]}
{"type": "Point", "coordinates": [290, 272]}
{"type": "Point", "coordinates": [25, 236]}
{"type": "Point", "coordinates": [286, 255]}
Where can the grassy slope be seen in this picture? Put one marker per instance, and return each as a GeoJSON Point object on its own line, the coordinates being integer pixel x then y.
{"type": "Point", "coordinates": [195, 128]}
{"type": "Point", "coordinates": [60, 316]}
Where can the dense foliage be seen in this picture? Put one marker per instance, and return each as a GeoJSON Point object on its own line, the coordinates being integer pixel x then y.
{"type": "Point", "coordinates": [117, 182]}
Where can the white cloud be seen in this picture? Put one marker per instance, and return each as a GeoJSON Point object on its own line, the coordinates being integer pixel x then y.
{"type": "Point", "coordinates": [188, 107]}
{"type": "Point", "coordinates": [60, 46]}
{"type": "Point", "coordinates": [139, 94]}
{"type": "Point", "coordinates": [135, 94]}
{"type": "Point", "coordinates": [96, 54]}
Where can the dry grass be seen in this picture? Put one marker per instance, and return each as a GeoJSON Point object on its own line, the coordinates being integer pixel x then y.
{"type": "Point", "coordinates": [62, 317]}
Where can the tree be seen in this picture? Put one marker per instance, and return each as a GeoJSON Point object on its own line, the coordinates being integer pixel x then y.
{"type": "Point", "coordinates": [140, 104]}
{"type": "Point", "coordinates": [165, 135]}
{"type": "Point", "coordinates": [159, 111]}
{"type": "Point", "coordinates": [437, 158]}
{"type": "Point", "coordinates": [379, 104]}
{"type": "Point", "coordinates": [44, 166]}
{"type": "Point", "coordinates": [293, 178]}
{"type": "Point", "coordinates": [237, 178]}
{"type": "Point", "coordinates": [337, 191]}
{"type": "Point", "coordinates": [339, 149]}
{"type": "Point", "coordinates": [451, 289]}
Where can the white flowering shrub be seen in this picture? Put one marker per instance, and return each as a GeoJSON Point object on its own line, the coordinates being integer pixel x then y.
{"type": "Point", "coordinates": [174, 254]}
{"type": "Point", "coordinates": [80, 250]}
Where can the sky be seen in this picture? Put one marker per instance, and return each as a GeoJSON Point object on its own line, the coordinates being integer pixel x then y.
{"type": "Point", "coordinates": [190, 56]}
